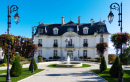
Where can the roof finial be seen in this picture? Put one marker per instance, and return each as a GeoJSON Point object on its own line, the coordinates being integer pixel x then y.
{"type": "Point", "coordinates": [100, 19]}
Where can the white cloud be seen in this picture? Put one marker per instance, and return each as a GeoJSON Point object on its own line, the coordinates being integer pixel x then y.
{"type": "Point", "coordinates": [111, 49]}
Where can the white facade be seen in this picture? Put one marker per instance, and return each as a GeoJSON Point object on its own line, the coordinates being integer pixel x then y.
{"type": "Point", "coordinates": [77, 48]}
{"type": "Point", "coordinates": [1, 54]}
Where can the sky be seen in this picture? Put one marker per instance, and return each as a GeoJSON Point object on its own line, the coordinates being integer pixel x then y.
{"type": "Point", "coordinates": [50, 11]}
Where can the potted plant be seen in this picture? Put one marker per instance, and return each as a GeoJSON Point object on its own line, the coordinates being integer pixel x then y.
{"type": "Point", "coordinates": [101, 47]}
{"type": "Point", "coordinates": [85, 45]}
{"type": "Point", "coordinates": [39, 44]}
{"type": "Point", "coordinates": [55, 45]}
{"type": "Point", "coordinates": [120, 38]}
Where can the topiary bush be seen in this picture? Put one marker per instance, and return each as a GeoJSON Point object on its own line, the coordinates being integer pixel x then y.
{"type": "Point", "coordinates": [98, 59]}
{"type": "Point", "coordinates": [5, 59]}
{"type": "Point", "coordinates": [114, 70]}
{"type": "Point", "coordinates": [16, 69]}
{"type": "Point", "coordinates": [104, 65]}
{"type": "Point", "coordinates": [40, 59]}
{"type": "Point", "coordinates": [34, 65]}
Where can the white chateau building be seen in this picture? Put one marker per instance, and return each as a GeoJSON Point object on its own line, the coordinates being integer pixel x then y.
{"type": "Point", "coordinates": [73, 39]}
{"type": "Point", "coordinates": [1, 54]}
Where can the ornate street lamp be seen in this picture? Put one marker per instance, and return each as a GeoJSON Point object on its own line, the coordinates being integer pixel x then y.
{"type": "Point", "coordinates": [16, 17]}
{"type": "Point", "coordinates": [33, 42]}
{"type": "Point", "coordinates": [118, 7]}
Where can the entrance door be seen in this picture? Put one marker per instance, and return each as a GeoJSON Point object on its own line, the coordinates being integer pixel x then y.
{"type": "Point", "coordinates": [70, 54]}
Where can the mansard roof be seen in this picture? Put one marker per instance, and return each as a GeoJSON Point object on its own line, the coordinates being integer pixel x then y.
{"type": "Point", "coordinates": [63, 28]}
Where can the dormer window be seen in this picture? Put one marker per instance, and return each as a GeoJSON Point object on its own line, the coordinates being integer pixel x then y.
{"type": "Point", "coordinates": [101, 29]}
{"type": "Point", "coordinates": [70, 29]}
{"type": "Point", "coordinates": [85, 30]}
{"type": "Point", "coordinates": [40, 30]}
{"type": "Point", "coordinates": [55, 31]}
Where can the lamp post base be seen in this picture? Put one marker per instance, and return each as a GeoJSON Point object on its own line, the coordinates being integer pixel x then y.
{"type": "Point", "coordinates": [8, 80]}
{"type": "Point", "coordinates": [120, 79]}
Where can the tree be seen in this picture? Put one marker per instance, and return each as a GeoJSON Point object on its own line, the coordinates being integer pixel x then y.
{"type": "Point", "coordinates": [114, 70]}
{"type": "Point", "coordinates": [16, 69]}
{"type": "Point", "coordinates": [34, 65]}
{"type": "Point", "coordinates": [13, 42]}
{"type": "Point", "coordinates": [111, 57]}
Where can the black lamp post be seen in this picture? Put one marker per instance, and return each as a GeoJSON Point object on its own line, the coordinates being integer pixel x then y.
{"type": "Point", "coordinates": [16, 17]}
{"type": "Point", "coordinates": [101, 40]}
{"type": "Point", "coordinates": [118, 7]}
{"type": "Point", "coordinates": [33, 42]}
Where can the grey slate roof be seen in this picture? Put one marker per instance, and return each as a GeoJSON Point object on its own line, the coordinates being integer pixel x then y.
{"type": "Point", "coordinates": [63, 29]}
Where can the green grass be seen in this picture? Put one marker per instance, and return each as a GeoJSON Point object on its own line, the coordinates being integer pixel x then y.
{"type": "Point", "coordinates": [2, 71]}
{"type": "Point", "coordinates": [54, 65]}
{"type": "Point", "coordinates": [107, 76]}
{"type": "Point", "coordinates": [26, 73]}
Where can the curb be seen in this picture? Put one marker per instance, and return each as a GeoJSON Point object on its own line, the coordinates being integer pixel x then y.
{"type": "Point", "coordinates": [29, 77]}
{"type": "Point", "coordinates": [99, 76]}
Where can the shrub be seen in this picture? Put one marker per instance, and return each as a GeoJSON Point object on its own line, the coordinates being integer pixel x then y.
{"type": "Point", "coordinates": [124, 59]}
{"type": "Point", "coordinates": [56, 57]}
{"type": "Point", "coordinates": [43, 58]}
{"type": "Point", "coordinates": [16, 69]}
{"type": "Point", "coordinates": [50, 58]}
{"type": "Point", "coordinates": [12, 59]}
{"type": "Point", "coordinates": [104, 65]}
{"type": "Point", "coordinates": [34, 65]}
{"type": "Point", "coordinates": [114, 70]}
{"type": "Point", "coordinates": [111, 57]}
{"type": "Point", "coordinates": [89, 58]}
{"type": "Point", "coordinates": [98, 59]}
{"type": "Point", "coordinates": [40, 59]}
{"type": "Point", "coordinates": [81, 57]}
{"type": "Point", "coordinates": [5, 59]}
{"type": "Point", "coordinates": [23, 59]}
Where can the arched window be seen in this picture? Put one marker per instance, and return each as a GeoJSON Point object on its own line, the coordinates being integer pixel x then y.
{"type": "Point", "coordinates": [55, 31]}
{"type": "Point", "coordinates": [85, 30]}
{"type": "Point", "coordinates": [70, 29]}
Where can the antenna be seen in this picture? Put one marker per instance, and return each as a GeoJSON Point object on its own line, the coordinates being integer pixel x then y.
{"type": "Point", "coordinates": [71, 16]}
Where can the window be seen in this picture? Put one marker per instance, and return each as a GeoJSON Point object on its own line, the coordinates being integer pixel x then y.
{"type": "Point", "coordinates": [55, 41]}
{"type": "Point", "coordinates": [101, 39]}
{"type": "Point", "coordinates": [101, 29]}
{"type": "Point", "coordinates": [2, 54]}
{"type": "Point", "coordinates": [55, 31]}
{"type": "Point", "coordinates": [40, 41]}
{"type": "Point", "coordinates": [39, 52]}
{"type": "Point", "coordinates": [85, 41]}
{"type": "Point", "coordinates": [70, 41]}
{"type": "Point", "coordinates": [70, 29]}
{"type": "Point", "coordinates": [55, 52]}
{"type": "Point", "coordinates": [85, 30]}
{"type": "Point", "coordinates": [85, 53]}
{"type": "Point", "coordinates": [40, 30]}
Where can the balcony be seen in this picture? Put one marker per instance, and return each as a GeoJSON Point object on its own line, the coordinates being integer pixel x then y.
{"type": "Point", "coordinates": [85, 45]}
{"type": "Point", "coordinates": [69, 45]}
{"type": "Point", "coordinates": [39, 44]}
{"type": "Point", "coordinates": [55, 45]}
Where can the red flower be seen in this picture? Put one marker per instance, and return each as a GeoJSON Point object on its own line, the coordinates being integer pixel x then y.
{"type": "Point", "coordinates": [120, 36]}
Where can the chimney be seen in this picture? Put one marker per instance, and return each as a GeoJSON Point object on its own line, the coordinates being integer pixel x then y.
{"type": "Point", "coordinates": [104, 21]}
{"type": "Point", "coordinates": [63, 21]}
{"type": "Point", "coordinates": [39, 23]}
{"type": "Point", "coordinates": [79, 20]}
{"type": "Point", "coordinates": [92, 22]}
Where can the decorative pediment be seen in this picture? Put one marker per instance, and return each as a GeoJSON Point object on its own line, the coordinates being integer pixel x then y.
{"type": "Point", "coordinates": [70, 34]}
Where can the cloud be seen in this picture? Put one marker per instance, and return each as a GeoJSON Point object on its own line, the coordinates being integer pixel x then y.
{"type": "Point", "coordinates": [111, 49]}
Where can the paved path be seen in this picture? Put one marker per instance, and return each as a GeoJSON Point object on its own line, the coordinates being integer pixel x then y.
{"type": "Point", "coordinates": [64, 74]}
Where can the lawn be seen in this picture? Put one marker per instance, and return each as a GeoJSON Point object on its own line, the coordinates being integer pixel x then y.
{"type": "Point", "coordinates": [26, 73]}
{"type": "Point", "coordinates": [54, 65]}
{"type": "Point", "coordinates": [106, 75]}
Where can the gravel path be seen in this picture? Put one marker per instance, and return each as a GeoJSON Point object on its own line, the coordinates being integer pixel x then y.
{"type": "Point", "coordinates": [64, 74]}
